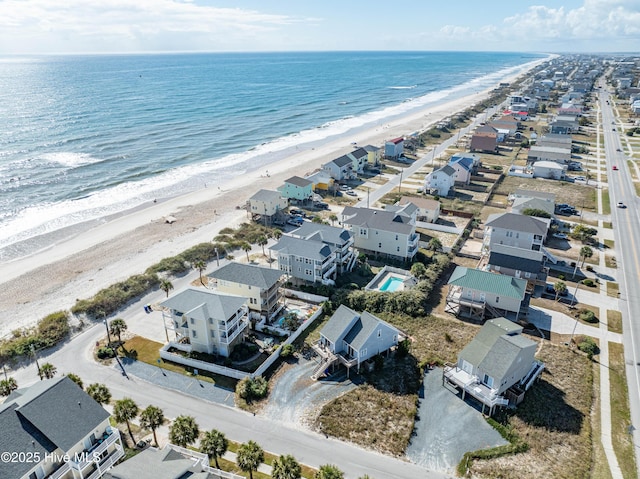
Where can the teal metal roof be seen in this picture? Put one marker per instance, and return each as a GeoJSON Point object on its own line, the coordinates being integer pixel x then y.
{"type": "Point", "coordinates": [498, 284]}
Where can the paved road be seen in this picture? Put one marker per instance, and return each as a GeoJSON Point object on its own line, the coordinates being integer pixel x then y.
{"type": "Point", "coordinates": [274, 436]}
{"type": "Point", "coordinates": [627, 238]}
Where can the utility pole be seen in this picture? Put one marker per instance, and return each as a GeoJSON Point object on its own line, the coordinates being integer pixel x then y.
{"type": "Point", "coordinates": [106, 325]}
{"type": "Point", "coordinates": [368, 196]}
{"type": "Point", "coordinates": [400, 184]}
{"type": "Point", "coordinates": [33, 351]}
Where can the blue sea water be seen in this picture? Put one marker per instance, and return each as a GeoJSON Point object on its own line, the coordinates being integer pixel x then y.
{"type": "Point", "coordinates": [83, 137]}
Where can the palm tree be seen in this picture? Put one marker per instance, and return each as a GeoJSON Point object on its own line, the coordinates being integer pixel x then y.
{"type": "Point", "coordinates": [585, 252]}
{"type": "Point", "coordinates": [99, 392]}
{"type": "Point", "coordinates": [76, 379]}
{"type": "Point", "coordinates": [184, 431]}
{"type": "Point", "coordinates": [560, 288]}
{"type": "Point", "coordinates": [333, 218]}
{"type": "Point", "coordinates": [200, 266]}
{"type": "Point", "coordinates": [249, 457]}
{"type": "Point", "coordinates": [277, 234]}
{"type": "Point", "coordinates": [166, 286]}
{"type": "Point", "coordinates": [117, 327]}
{"type": "Point", "coordinates": [418, 270]}
{"type": "Point", "coordinates": [262, 241]}
{"type": "Point", "coordinates": [7, 386]}
{"type": "Point", "coordinates": [246, 247]}
{"type": "Point", "coordinates": [152, 418]}
{"type": "Point", "coordinates": [286, 467]}
{"type": "Point", "coordinates": [48, 370]}
{"type": "Point", "coordinates": [214, 444]}
{"type": "Point", "coordinates": [329, 471]}
{"type": "Point", "coordinates": [124, 410]}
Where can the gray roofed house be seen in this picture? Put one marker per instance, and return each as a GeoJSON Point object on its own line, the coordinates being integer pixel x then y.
{"type": "Point", "coordinates": [351, 338]}
{"type": "Point", "coordinates": [340, 168]}
{"type": "Point", "coordinates": [428, 210]}
{"type": "Point", "coordinates": [440, 181]}
{"type": "Point", "coordinates": [168, 463]}
{"type": "Point", "coordinates": [56, 416]}
{"type": "Point", "coordinates": [387, 232]}
{"type": "Point", "coordinates": [339, 238]}
{"type": "Point", "coordinates": [306, 259]}
{"type": "Point", "coordinates": [521, 231]}
{"type": "Point", "coordinates": [297, 188]}
{"type": "Point", "coordinates": [497, 366]}
{"type": "Point", "coordinates": [519, 263]}
{"type": "Point", "coordinates": [260, 285]}
{"type": "Point", "coordinates": [267, 203]}
{"type": "Point", "coordinates": [211, 322]}
{"type": "Point", "coordinates": [522, 204]}
{"type": "Point", "coordinates": [543, 195]}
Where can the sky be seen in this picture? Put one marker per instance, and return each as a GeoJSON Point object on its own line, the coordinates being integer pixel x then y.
{"type": "Point", "coordinates": [133, 26]}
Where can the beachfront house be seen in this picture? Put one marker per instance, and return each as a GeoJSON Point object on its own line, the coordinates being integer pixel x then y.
{"type": "Point", "coordinates": [381, 232]}
{"type": "Point", "coordinates": [297, 189]}
{"type": "Point", "coordinates": [306, 260]}
{"type": "Point", "coordinates": [340, 169]}
{"type": "Point", "coordinates": [373, 154]}
{"type": "Point", "coordinates": [60, 429]}
{"type": "Point", "coordinates": [359, 159]}
{"type": "Point", "coordinates": [351, 338]}
{"type": "Point", "coordinates": [267, 204]}
{"type": "Point", "coordinates": [440, 182]}
{"type": "Point", "coordinates": [519, 263]}
{"type": "Point", "coordinates": [261, 286]}
{"type": "Point", "coordinates": [521, 231]}
{"type": "Point", "coordinates": [339, 239]}
{"type": "Point", "coordinates": [209, 322]}
{"type": "Point", "coordinates": [477, 294]}
{"type": "Point", "coordinates": [394, 149]}
{"type": "Point", "coordinates": [428, 210]}
{"type": "Point", "coordinates": [320, 180]}
{"type": "Point", "coordinates": [497, 366]}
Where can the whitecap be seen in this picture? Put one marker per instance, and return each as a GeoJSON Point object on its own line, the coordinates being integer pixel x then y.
{"type": "Point", "coordinates": [409, 87]}
{"type": "Point", "coordinates": [70, 159]}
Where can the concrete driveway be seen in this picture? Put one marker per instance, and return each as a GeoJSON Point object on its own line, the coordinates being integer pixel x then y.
{"type": "Point", "coordinates": [447, 428]}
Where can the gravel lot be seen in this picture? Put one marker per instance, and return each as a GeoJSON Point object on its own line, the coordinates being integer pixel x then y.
{"type": "Point", "coordinates": [447, 428]}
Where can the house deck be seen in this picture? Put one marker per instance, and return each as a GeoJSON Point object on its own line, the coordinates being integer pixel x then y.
{"type": "Point", "coordinates": [471, 384]}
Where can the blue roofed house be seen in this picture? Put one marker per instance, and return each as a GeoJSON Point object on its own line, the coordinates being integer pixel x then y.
{"type": "Point", "coordinates": [519, 263]}
{"type": "Point", "coordinates": [64, 432]}
{"type": "Point", "coordinates": [497, 366]}
{"type": "Point", "coordinates": [466, 165]}
{"type": "Point", "coordinates": [351, 338]}
{"type": "Point", "coordinates": [477, 294]}
{"type": "Point", "coordinates": [297, 189]}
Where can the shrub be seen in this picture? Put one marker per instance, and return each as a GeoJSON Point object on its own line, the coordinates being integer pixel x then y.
{"type": "Point", "coordinates": [251, 389]}
{"type": "Point", "coordinates": [53, 328]}
{"type": "Point", "coordinates": [287, 351]}
{"type": "Point", "coordinates": [105, 352]}
{"type": "Point", "coordinates": [588, 346]}
{"type": "Point", "coordinates": [587, 315]}
{"type": "Point", "coordinates": [588, 282]}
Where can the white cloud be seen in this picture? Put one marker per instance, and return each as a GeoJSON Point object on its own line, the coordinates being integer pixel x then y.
{"type": "Point", "coordinates": [89, 23]}
{"type": "Point", "coordinates": [597, 23]}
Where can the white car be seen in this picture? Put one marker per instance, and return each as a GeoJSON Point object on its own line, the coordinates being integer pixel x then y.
{"type": "Point", "coordinates": [561, 236]}
{"type": "Point", "coordinates": [351, 193]}
{"type": "Point", "coordinates": [621, 204]}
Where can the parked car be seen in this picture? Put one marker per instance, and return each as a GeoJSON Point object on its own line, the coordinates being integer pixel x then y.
{"type": "Point", "coordinates": [295, 221]}
{"type": "Point", "coordinates": [296, 211]}
{"type": "Point", "coordinates": [345, 187]}
{"type": "Point", "coordinates": [351, 193]}
{"type": "Point", "coordinates": [322, 205]}
{"type": "Point", "coordinates": [278, 222]}
{"type": "Point", "coordinates": [561, 236]}
{"type": "Point", "coordinates": [550, 289]}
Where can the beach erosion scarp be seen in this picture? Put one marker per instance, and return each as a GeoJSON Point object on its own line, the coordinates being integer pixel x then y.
{"type": "Point", "coordinates": [78, 267]}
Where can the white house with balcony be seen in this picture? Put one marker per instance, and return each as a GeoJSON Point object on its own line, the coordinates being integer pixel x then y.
{"type": "Point", "coordinates": [440, 182]}
{"type": "Point", "coordinates": [62, 429]}
{"type": "Point", "coordinates": [267, 203]}
{"type": "Point", "coordinates": [209, 322]}
{"type": "Point", "coordinates": [340, 239]}
{"type": "Point", "coordinates": [306, 260]}
{"type": "Point", "coordinates": [496, 367]}
{"type": "Point", "coordinates": [340, 169]}
{"type": "Point", "coordinates": [520, 231]}
{"type": "Point", "coordinates": [388, 233]}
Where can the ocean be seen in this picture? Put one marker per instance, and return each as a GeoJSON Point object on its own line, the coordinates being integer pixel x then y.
{"type": "Point", "coordinates": [86, 137]}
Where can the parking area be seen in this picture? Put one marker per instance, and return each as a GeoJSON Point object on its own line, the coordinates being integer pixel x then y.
{"type": "Point", "coordinates": [447, 427]}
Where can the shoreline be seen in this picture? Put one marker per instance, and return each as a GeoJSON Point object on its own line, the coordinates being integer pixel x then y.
{"type": "Point", "coordinates": [52, 279]}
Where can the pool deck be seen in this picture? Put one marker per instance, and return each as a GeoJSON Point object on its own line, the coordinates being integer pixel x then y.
{"type": "Point", "coordinates": [387, 274]}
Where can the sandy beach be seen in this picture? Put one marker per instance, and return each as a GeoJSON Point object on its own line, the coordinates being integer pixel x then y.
{"type": "Point", "coordinates": [78, 267]}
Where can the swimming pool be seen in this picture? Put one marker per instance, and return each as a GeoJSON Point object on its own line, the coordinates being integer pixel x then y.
{"type": "Point", "coordinates": [282, 318]}
{"type": "Point", "coordinates": [391, 284]}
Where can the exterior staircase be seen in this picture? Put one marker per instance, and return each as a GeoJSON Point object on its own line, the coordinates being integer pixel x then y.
{"type": "Point", "coordinates": [325, 363]}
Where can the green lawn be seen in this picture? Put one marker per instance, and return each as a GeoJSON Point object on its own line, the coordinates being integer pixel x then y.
{"type": "Point", "coordinates": [614, 321]}
{"type": "Point", "coordinates": [606, 202]}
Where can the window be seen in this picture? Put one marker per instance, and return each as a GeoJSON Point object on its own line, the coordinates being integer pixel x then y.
{"type": "Point", "coordinates": [396, 237]}
{"type": "Point", "coordinates": [213, 333]}
{"type": "Point", "coordinates": [527, 275]}
{"type": "Point", "coordinates": [497, 268]}
{"type": "Point", "coordinates": [398, 249]}
{"type": "Point", "coordinates": [193, 321]}
{"type": "Point", "coordinates": [497, 299]}
{"type": "Point", "coordinates": [379, 245]}
{"type": "Point", "coordinates": [178, 313]}
{"type": "Point", "coordinates": [488, 380]}
{"type": "Point", "coordinates": [210, 320]}
{"type": "Point", "coordinates": [307, 272]}
{"type": "Point", "coordinates": [193, 333]}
